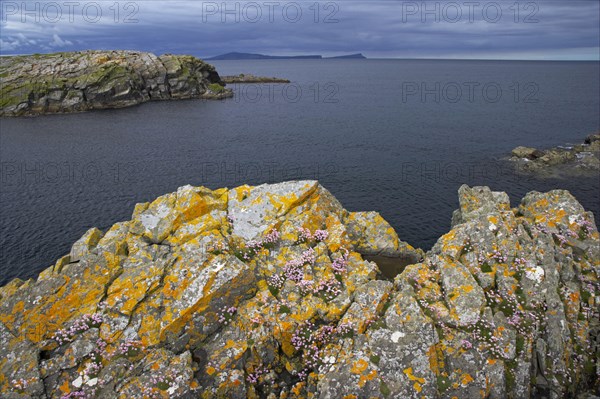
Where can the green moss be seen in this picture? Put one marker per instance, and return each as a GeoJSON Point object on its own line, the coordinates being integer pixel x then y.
{"type": "Point", "coordinates": [589, 367]}
{"type": "Point", "coordinates": [511, 382]}
{"type": "Point", "coordinates": [216, 88]}
{"type": "Point", "coordinates": [520, 294]}
{"type": "Point", "coordinates": [378, 324]}
{"type": "Point", "coordinates": [506, 308]}
{"type": "Point", "coordinates": [375, 359]}
{"type": "Point", "coordinates": [486, 268]}
{"type": "Point", "coordinates": [585, 296]}
{"type": "Point", "coordinates": [284, 309]}
{"type": "Point", "coordinates": [520, 344]}
{"type": "Point", "coordinates": [443, 383]}
{"type": "Point", "coordinates": [274, 291]}
{"type": "Point", "coordinates": [386, 306]}
{"type": "Point", "coordinates": [384, 389]}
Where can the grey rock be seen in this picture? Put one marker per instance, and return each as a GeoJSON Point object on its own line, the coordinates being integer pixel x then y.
{"type": "Point", "coordinates": [527, 152]}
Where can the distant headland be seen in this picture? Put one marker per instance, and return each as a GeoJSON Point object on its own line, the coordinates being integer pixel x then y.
{"type": "Point", "coordinates": [251, 56]}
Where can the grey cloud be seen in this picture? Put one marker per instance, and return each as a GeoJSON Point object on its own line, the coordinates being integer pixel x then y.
{"type": "Point", "coordinates": [376, 28]}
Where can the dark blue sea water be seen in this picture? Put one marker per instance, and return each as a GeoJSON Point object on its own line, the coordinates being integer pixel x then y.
{"type": "Point", "coordinates": [398, 137]}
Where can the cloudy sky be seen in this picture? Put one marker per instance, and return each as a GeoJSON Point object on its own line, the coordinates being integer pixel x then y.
{"type": "Point", "coordinates": [543, 29]}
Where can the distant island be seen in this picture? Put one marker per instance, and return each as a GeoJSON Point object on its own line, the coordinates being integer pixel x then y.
{"type": "Point", "coordinates": [250, 56]}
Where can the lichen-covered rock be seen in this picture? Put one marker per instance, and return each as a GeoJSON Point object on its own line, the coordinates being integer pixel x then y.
{"type": "Point", "coordinates": [86, 80]}
{"type": "Point", "coordinates": [263, 292]}
{"type": "Point", "coordinates": [85, 244]}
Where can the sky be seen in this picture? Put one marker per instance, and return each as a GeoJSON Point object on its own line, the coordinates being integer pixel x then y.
{"type": "Point", "coordinates": [529, 30]}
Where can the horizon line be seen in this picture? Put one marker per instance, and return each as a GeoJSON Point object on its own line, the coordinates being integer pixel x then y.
{"type": "Point", "coordinates": [333, 56]}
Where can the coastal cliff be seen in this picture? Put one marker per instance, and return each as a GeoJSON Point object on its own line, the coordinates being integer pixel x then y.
{"type": "Point", "coordinates": [87, 80]}
{"type": "Point", "coordinates": [263, 292]}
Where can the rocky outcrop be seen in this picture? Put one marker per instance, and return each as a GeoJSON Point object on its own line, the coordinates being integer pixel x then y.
{"type": "Point", "coordinates": [249, 78]}
{"type": "Point", "coordinates": [263, 292]}
{"type": "Point", "coordinates": [82, 81]}
{"type": "Point", "coordinates": [561, 161]}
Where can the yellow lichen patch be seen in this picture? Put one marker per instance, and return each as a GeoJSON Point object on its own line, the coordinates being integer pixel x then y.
{"type": "Point", "coordinates": [436, 358]}
{"type": "Point", "coordinates": [69, 303]}
{"type": "Point", "coordinates": [283, 332]}
{"type": "Point", "coordinates": [9, 318]}
{"type": "Point", "coordinates": [241, 193]}
{"type": "Point", "coordinates": [196, 227]}
{"type": "Point", "coordinates": [466, 379]}
{"type": "Point", "coordinates": [64, 387]}
{"type": "Point", "coordinates": [359, 366]}
{"type": "Point", "coordinates": [366, 378]}
{"type": "Point", "coordinates": [126, 291]}
{"type": "Point", "coordinates": [409, 373]}
{"type": "Point", "coordinates": [417, 387]}
{"type": "Point", "coordinates": [298, 388]}
{"type": "Point", "coordinates": [574, 296]}
{"type": "Point", "coordinates": [446, 238]}
{"type": "Point", "coordinates": [149, 327]}
{"type": "Point", "coordinates": [338, 237]}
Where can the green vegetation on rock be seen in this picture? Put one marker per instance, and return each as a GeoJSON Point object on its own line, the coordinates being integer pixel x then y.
{"type": "Point", "coordinates": [80, 81]}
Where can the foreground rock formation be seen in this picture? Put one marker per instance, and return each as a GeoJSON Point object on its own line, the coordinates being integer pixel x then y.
{"type": "Point", "coordinates": [262, 292]}
{"type": "Point", "coordinates": [561, 161]}
{"type": "Point", "coordinates": [81, 81]}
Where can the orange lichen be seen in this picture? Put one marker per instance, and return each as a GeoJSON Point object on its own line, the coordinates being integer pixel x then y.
{"type": "Point", "coordinates": [365, 378]}
{"type": "Point", "coordinates": [466, 379]}
{"type": "Point", "coordinates": [409, 373]}
{"type": "Point", "coordinates": [359, 366]}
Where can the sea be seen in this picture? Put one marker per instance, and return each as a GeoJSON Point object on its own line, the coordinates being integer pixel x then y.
{"type": "Point", "coordinates": [394, 136]}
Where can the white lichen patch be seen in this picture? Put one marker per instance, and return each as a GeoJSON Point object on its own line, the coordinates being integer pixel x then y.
{"type": "Point", "coordinates": [396, 335]}
{"type": "Point", "coordinates": [78, 382]}
{"type": "Point", "coordinates": [535, 273]}
{"type": "Point", "coordinates": [92, 382]}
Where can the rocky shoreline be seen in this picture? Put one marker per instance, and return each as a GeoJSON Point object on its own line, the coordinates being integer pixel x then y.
{"type": "Point", "coordinates": [249, 78]}
{"type": "Point", "coordinates": [264, 292]}
{"type": "Point", "coordinates": [581, 159]}
{"type": "Point", "coordinates": [87, 80]}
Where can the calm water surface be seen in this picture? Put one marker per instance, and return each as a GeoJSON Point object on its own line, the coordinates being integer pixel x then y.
{"type": "Point", "coordinates": [398, 137]}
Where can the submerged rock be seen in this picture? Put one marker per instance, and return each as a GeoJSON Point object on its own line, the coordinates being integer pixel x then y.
{"type": "Point", "coordinates": [86, 80]}
{"type": "Point", "coordinates": [263, 292]}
